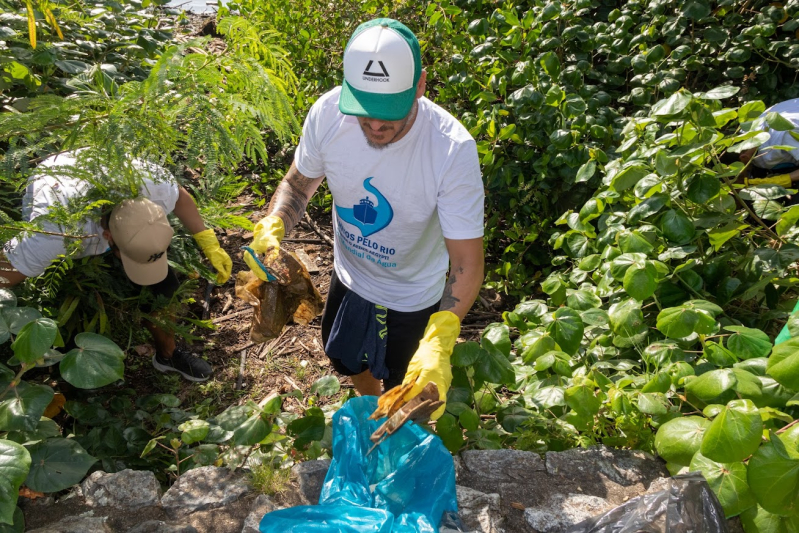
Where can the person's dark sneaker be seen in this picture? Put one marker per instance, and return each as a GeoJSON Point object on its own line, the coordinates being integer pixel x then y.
{"type": "Point", "coordinates": [184, 363]}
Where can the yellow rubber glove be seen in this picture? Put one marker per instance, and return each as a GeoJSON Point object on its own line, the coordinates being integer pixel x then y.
{"type": "Point", "coordinates": [783, 180]}
{"type": "Point", "coordinates": [266, 238]}
{"type": "Point", "coordinates": [215, 254]}
{"type": "Point", "coordinates": [431, 360]}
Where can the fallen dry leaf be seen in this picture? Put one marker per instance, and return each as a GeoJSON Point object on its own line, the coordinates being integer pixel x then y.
{"type": "Point", "coordinates": [55, 406]}
{"type": "Point", "coordinates": [25, 492]}
{"type": "Point", "coordinates": [390, 402]}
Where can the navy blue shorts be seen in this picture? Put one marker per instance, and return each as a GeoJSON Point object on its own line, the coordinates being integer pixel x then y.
{"type": "Point", "coordinates": [405, 330]}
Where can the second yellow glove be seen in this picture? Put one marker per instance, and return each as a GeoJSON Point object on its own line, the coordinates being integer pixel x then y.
{"type": "Point", "coordinates": [431, 360]}
{"type": "Point", "coordinates": [783, 180]}
{"type": "Point", "coordinates": [221, 261]}
{"type": "Point", "coordinates": [267, 235]}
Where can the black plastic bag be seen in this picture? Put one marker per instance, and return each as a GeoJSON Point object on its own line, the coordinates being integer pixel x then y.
{"type": "Point", "coordinates": [689, 506]}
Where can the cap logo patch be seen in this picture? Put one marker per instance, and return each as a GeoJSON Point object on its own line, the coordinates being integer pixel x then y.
{"type": "Point", "coordinates": [155, 257]}
{"type": "Point", "coordinates": [382, 76]}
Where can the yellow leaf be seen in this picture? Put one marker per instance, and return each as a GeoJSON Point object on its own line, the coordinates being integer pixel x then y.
{"type": "Point", "coordinates": [31, 23]}
{"type": "Point", "coordinates": [51, 19]}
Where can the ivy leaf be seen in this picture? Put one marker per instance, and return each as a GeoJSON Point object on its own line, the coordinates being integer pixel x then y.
{"type": "Point", "coordinates": [542, 345]}
{"type": "Point", "coordinates": [640, 282]}
{"type": "Point", "coordinates": [450, 432]}
{"type": "Point", "coordinates": [307, 429]}
{"type": "Point", "coordinates": [720, 93]}
{"type": "Point", "coordinates": [783, 365]}
{"type": "Point", "coordinates": [326, 386]}
{"type": "Point", "coordinates": [583, 400]}
{"type": "Point", "coordinates": [626, 318]}
{"type": "Point", "coordinates": [663, 353]}
{"type": "Point", "coordinates": [567, 329]}
{"type": "Point", "coordinates": [34, 339]}
{"type": "Point", "coordinates": [493, 366]}
{"type": "Point", "coordinates": [773, 476]}
{"type": "Point", "coordinates": [695, 9]}
{"type": "Point", "coordinates": [18, 317]}
{"type": "Point", "coordinates": [748, 343]}
{"type": "Point", "coordinates": [466, 354]}
{"type": "Point", "coordinates": [628, 177]}
{"type": "Point", "coordinates": [15, 461]}
{"type": "Point", "coordinates": [716, 386]}
{"type": "Point", "coordinates": [679, 439]}
{"type": "Point", "coordinates": [498, 335]}
{"type": "Point", "coordinates": [734, 434]}
{"type": "Point", "coordinates": [582, 300]}
{"type": "Point", "coordinates": [586, 171]}
{"type": "Point", "coordinates": [548, 397]}
{"type": "Point", "coordinates": [703, 188]}
{"type": "Point", "coordinates": [57, 464]}
{"type": "Point", "coordinates": [718, 236]}
{"type": "Point", "coordinates": [23, 406]}
{"type": "Point", "coordinates": [673, 105]}
{"type": "Point", "coordinates": [194, 431]}
{"type": "Point", "coordinates": [751, 142]}
{"type": "Point", "coordinates": [728, 483]}
{"type": "Point", "coordinates": [653, 403]}
{"type": "Point", "coordinates": [677, 227]}
{"type": "Point", "coordinates": [96, 362]}
{"type": "Point", "coordinates": [758, 519]}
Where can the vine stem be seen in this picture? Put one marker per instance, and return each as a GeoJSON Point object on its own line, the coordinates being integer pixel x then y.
{"type": "Point", "coordinates": [17, 378]}
{"type": "Point", "coordinates": [51, 233]}
{"type": "Point", "coordinates": [781, 430]}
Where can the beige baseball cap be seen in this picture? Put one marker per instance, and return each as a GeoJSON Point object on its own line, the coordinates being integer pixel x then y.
{"type": "Point", "coordinates": [142, 233]}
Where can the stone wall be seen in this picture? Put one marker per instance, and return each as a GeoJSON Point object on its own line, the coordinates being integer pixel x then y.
{"type": "Point", "coordinates": [499, 491]}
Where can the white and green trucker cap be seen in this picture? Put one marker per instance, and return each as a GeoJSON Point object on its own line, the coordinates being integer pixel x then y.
{"type": "Point", "coordinates": [382, 65]}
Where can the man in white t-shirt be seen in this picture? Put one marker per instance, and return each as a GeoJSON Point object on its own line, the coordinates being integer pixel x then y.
{"type": "Point", "coordinates": [781, 166]}
{"type": "Point", "coordinates": [138, 232]}
{"type": "Point", "coordinates": [408, 207]}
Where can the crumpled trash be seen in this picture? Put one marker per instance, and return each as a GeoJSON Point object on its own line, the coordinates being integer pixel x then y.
{"type": "Point", "coordinates": [688, 506]}
{"type": "Point", "coordinates": [405, 485]}
{"type": "Point", "coordinates": [293, 295]}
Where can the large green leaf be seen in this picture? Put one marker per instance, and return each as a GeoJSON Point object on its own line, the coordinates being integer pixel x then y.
{"type": "Point", "coordinates": [663, 353]}
{"type": "Point", "coordinates": [96, 362]}
{"type": "Point", "coordinates": [583, 400]}
{"type": "Point", "coordinates": [542, 345]}
{"type": "Point", "coordinates": [19, 523]}
{"type": "Point", "coordinates": [673, 105]}
{"type": "Point", "coordinates": [326, 386]}
{"type": "Point", "coordinates": [307, 429]}
{"type": "Point", "coordinates": [466, 354]}
{"type": "Point", "coordinates": [582, 300]}
{"type": "Point", "coordinates": [5, 333]}
{"type": "Point", "coordinates": [677, 227]}
{"type": "Point", "coordinates": [499, 337]}
{"type": "Point", "coordinates": [194, 431]}
{"type": "Point", "coordinates": [679, 439]}
{"type": "Point", "coordinates": [639, 282]}
{"type": "Point", "coordinates": [756, 519]}
{"type": "Point", "coordinates": [18, 317]}
{"type": "Point", "coordinates": [691, 317]}
{"type": "Point", "coordinates": [15, 461]}
{"type": "Point", "coordinates": [567, 329]}
{"type": "Point", "coordinates": [493, 365]}
{"type": "Point", "coordinates": [626, 318]}
{"type": "Point", "coordinates": [256, 428]}
{"type": "Point", "coordinates": [653, 403]}
{"type": "Point", "coordinates": [548, 397]}
{"type": "Point", "coordinates": [773, 475]}
{"type": "Point", "coordinates": [34, 339]}
{"type": "Point", "coordinates": [748, 343]}
{"type": "Point", "coordinates": [734, 434]}
{"type": "Point", "coordinates": [57, 464]}
{"type": "Point", "coordinates": [716, 386]}
{"type": "Point", "coordinates": [628, 177]}
{"type": "Point", "coordinates": [449, 430]}
{"type": "Point", "coordinates": [728, 482]}
{"type": "Point", "coordinates": [23, 406]}
{"type": "Point", "coordinates": [783, 364]}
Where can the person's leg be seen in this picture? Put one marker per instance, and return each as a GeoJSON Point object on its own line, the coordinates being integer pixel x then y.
{"type": "Point", "coordinates": [405, 330]}
{"type": "Point", "coordinates": [364, 383]}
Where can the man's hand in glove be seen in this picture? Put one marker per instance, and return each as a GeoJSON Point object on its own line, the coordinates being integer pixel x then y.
{"type": "Point", "coordinates": [431, 360]}
{"type": "Point", "coordinates": [215, 254]}
{"type": "Point", "coordinates": [266, 240]}
{"type": "Point", "coordinates": [783, 180]}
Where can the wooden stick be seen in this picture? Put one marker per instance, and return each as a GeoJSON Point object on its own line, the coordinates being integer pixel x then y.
{"type": "Point", "coordinates": [231, 315]}
{"type": "Point", "coordinates": [240, 378]}
{"type": "Point", "coordinates": [316, 229]}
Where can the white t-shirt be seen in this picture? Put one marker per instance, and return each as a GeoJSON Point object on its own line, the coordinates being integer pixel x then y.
{"type": "Point", "coordinates": [766, 158]}
{"type": "Point", "coordinates": [33, 254]}
{"type": "Point", "coordinates": [394, 206]}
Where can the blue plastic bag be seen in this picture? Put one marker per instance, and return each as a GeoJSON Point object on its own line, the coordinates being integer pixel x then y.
{"type": "Point", "coordinates": [405, 485]}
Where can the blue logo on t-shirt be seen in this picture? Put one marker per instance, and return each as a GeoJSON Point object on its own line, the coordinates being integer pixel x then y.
{"type": "Point", "coordinates": [367, 216]}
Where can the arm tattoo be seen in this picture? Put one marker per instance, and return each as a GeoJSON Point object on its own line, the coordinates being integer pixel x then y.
{"type": "Point", "coordinates": [290, 198]}
{"type": "Point", "coordinates": [448, 300]}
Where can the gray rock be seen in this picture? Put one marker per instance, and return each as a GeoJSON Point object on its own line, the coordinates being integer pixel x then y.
{"type": "Point", "coordinates": [501, 465]}
{"type": "Point", "coordinates": [311, 476]}
{"type": "Point", "coordinates": [625, 467]}
{"type": "Point", "coordinates": [479, 511]}
{"type": "Point", "coordinates": [563, 512]}
{"type": "Point", "coordinates": [128, 488]}
{"type": "Point", "coordinates": [77, 524]}
{"type": "Point", "coordinates": [262, 505]}
{"type": "Point", "coordinates": [207, 487]}
{"type": "Point", "coordinates": [159, 526]}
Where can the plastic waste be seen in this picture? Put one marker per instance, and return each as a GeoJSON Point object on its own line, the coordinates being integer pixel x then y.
{"type": "Point", "coordinates": [406, 484]}
{"type": "Point", "coordinates": [688, 506]}
{"type": "Point", "coordinates": [293, 295]}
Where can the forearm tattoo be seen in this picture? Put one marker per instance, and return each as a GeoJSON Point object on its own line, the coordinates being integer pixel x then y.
{"type": "Point", "coordinates": [448, 300]}
{"type": "Point", "coordinates": [290, 199]}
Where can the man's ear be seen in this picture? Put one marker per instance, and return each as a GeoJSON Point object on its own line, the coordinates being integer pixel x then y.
{"type": "Point", "coordinates": [421, 87]}
{"type": "Point", "coordinates": [107, 236]}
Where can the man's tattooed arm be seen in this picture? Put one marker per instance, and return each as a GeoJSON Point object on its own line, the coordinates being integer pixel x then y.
{"type": "Point", "coordinates": [465, 275]}
{"type": "Point", "coordinates": [291, 197]}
